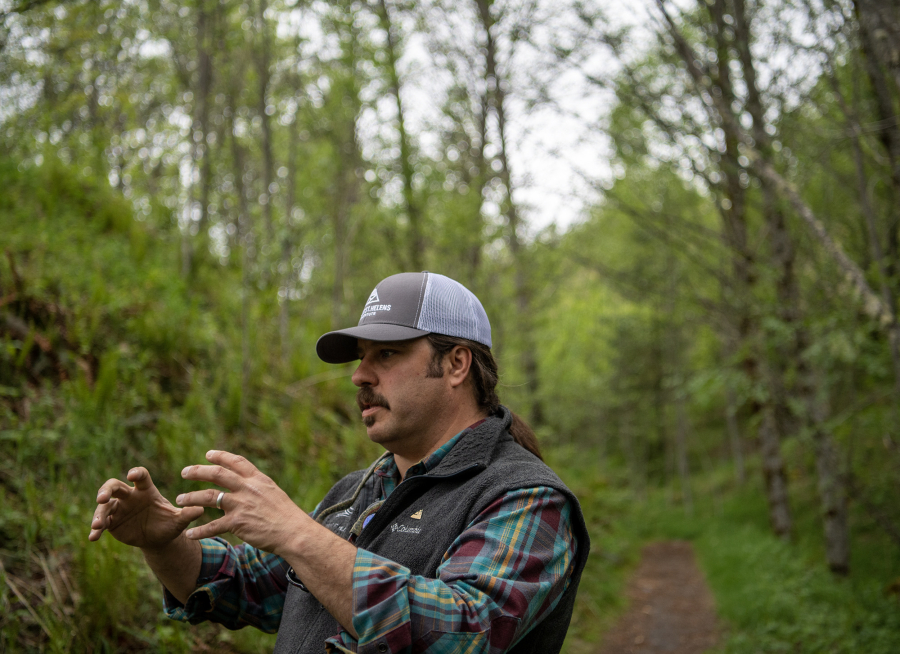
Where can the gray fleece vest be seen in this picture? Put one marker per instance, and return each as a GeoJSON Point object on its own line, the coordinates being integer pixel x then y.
{"type": "Point", "coordinates": [484, 465]}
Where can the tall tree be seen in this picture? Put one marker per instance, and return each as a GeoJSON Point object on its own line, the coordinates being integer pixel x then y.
{"type": "Point", "coordinates": [264, 111]}
{"type": "Point", "coordinates": [406, 164]}
{"type": "Point", "coordinates": [207, 18]}
{"type": "Point", "coordinates": [496, 82]}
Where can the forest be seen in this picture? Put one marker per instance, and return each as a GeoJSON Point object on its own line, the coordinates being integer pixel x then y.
{"type": "Point", "coordinates": [682, 217]}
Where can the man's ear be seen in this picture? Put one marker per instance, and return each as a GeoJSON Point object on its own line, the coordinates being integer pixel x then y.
{"type": "Point", "coordinates": [458, 361]}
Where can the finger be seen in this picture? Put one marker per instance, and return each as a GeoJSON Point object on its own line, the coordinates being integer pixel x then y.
{"type": "Point", "coordinates": [102, 519]}
{"type": "Point", "coordinates": [103, 511]}
{"type": "Point", "coordinates": [215, 475]}
{"type": "Point", "coordinates": [98, 523]}
{"type": "Point", "coordinates": [199, 498]}
{"type": "Point", "coordinates": [140, 477]}
{"type": "Point", "coordinates": [122, 492]}
{"type": "Point", "coordinates": [109, 517]}
{"type": "Point", "coordinates": [188, 515]}
{"type": "Point", "coordinates": [112, 487]}
{"type": "Point", "coordinates": [230, 461]}
{"type": "Point", "coordinates": [208, 530]}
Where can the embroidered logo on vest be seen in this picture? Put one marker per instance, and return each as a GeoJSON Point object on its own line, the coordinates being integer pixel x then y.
{"type": "Point", "coordinates": [403, 529]}
{"type": "Point", "coordinates": [417, 515]}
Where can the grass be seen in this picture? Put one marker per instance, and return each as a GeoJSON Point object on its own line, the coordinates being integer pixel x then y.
{"type": "Point", "coordinates": [772, 596]}
{"type": "Point", "coordinates": [780, 597]}
{"type": "Point", "coordinates": [775, 601]}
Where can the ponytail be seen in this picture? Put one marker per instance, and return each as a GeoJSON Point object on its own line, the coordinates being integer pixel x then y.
{"type": "Point", "coordinates": [484, 375]}
{"type": "Point", "coordinates": [524, 436]}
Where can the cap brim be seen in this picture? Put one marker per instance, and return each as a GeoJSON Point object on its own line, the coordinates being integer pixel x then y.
{"type": "Point", "coordinates": [340, 346]}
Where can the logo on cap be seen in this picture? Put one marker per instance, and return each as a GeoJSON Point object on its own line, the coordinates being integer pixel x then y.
{"type": "Point", "coordinates": [373, 297]}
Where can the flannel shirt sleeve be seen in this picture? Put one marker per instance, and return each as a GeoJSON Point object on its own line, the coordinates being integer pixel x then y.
{"type": "Point", "coordinates": [237, 586]}
{"type": "Point", "coordinates": [499, 578]}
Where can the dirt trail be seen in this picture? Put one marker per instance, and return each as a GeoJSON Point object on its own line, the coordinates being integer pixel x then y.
{"type": "Point", "coordinates": [671, 607]}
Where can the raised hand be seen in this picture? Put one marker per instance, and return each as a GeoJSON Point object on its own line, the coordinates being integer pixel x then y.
{"type": "Point", "coordinates": [256, 510]}
{"type": "Point", "coordinates": [262, 515]}
{"type": "Point", "coordinates": [139, 515]}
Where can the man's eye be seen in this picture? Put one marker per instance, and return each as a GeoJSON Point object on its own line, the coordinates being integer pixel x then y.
{"type": "Point", "coordinates": [387, 353]}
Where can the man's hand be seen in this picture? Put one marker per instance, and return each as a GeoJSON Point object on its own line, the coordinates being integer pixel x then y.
{"type": "Point", "coordinates": [261, 514]}
{"type": "Point", "coordinates": [256, 510]}
{"type": "Point", "coordinates": [139, 515]}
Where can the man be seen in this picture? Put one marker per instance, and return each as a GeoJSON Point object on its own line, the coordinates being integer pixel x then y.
{"type": "Point", "coordinates": [458, 539]}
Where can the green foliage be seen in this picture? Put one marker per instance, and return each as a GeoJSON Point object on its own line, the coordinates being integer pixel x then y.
{"type": "Point", "coordinates": [138, 370]}
{"type": "Point", "coordinates": [169, 263]}
{"type": "Point", "coordinates": [776, 602]}
{"type": "Point", "coordinates": [772, 596]}
{"type": "Point", "coordinates": [775, 596]}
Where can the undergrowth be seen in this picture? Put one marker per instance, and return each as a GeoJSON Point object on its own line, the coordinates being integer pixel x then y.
{"type": "Point", "coordinates": [109, 360]}
{"type": "Point", "coordinates": [772, 596]}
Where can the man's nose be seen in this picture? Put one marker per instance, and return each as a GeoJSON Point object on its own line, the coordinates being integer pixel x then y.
{"type": "Point", "coordinates": [363, 375]}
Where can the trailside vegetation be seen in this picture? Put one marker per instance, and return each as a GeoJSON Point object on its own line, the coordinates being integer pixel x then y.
{"type": "Point", "coordinates": [191, 193]}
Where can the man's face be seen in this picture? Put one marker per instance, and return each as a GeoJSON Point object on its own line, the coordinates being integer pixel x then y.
{"type": "Point", "coordinates": [398, 399]}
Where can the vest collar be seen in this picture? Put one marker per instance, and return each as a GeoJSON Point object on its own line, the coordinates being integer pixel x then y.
{"type": "Point", "coordinates": [475, 448]}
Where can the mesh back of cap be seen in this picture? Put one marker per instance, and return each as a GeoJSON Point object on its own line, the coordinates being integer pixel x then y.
{"type": "Point", "coordinates": [449, 308]}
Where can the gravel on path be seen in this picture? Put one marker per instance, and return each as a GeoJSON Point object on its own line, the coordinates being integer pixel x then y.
{"type": "Point", "coordinates": [671, 609]}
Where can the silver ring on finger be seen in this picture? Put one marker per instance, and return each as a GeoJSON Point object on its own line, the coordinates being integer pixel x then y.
{"type": "Point", "coordinates": [219, 500]}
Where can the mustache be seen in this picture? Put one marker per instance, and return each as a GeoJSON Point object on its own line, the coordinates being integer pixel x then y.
{"type": "Point", "coordinates": [365, 396]}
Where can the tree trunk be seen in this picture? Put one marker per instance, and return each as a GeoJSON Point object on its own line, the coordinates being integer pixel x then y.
{"type": "Point", "coordinates": [876, 251]}
{"type": "Point", "coordinates": [881, 22]}
{"type": "Point", "coordinates": [626, 439]}
{"type": "Point", "coordinates": [475, 249]}
{"type": "Point", "coordinates": [681, 438]}
{"type": "Point", "coordinates": [287, 243]}
{"type": "Point", "coordinates": [775, 475]}
{"type": "Point", "coordinates": [347, 194]}
{"type": "Point", "coordinates": [778, 420]}
{"type": "Point", "coordinates": [660, 349]}
{"type": "Point", "coordinates": [781, 244]}
{"type": "Point", "coordinates": [832, 493]}
{"type": "Point", "coordinates": [244, 240]}
{"type": "Point", "coordinates": [263, 58]}
{"type": "Point", "coordinates": [776, 417]}
{"type": "Point", "coordinates": [416, 239]}
{"type": "Point", "coordinates": [206, 25]}
{"type": "Point", "coordinates": [201, 183]}
{"type": "Point", "coordinates": [511, 212]}
{"type": "Point", "coordinates": [474, 174]}
{"type": "Point", "coordinates": [715, 88]}
{"type": "Point", "coordinates": [339, 220]}
{"type": "Point", "coordinates": [734, 435]}
{"type": "Point", "coordinates": [880, 42]}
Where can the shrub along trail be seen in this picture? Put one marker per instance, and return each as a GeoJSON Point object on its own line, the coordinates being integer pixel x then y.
{"type": "Point", "coordinates": [671, 606]}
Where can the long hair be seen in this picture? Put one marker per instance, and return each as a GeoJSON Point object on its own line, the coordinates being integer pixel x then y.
{"type": "Point", "coordinates": [484, 376]}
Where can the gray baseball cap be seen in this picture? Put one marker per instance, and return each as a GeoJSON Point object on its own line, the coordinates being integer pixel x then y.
{"type": "Point", "coordinates": [410, 305]}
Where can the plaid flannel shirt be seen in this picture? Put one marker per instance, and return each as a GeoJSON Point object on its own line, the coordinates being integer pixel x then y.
{"type": "Point", "coordinates": [504, 573]}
